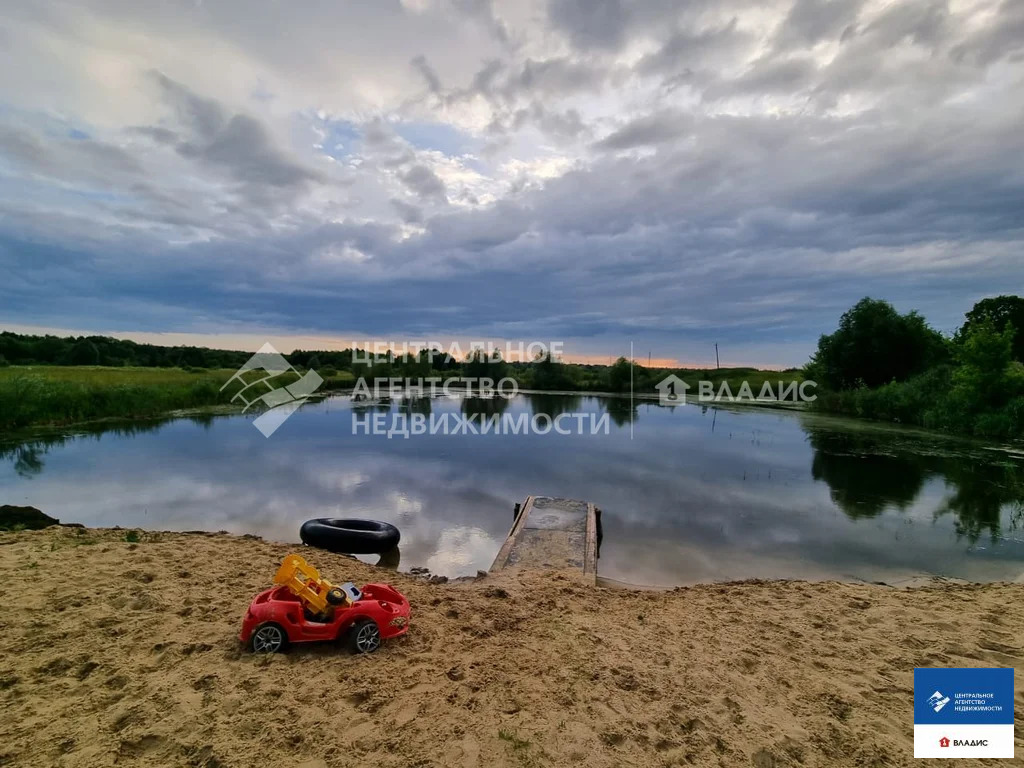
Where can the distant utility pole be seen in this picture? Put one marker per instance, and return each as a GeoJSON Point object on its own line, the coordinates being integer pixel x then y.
{"type": "Point", "coordinates": [648, 358]}
{"type": "Point", "coordinates": [717, 364]}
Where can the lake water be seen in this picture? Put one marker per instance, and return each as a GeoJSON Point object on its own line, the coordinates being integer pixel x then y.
{"type": "Point", "coordinates": [688, 494]}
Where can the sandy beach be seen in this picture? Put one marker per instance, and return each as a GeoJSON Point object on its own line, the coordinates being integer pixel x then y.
{"type": "Point", "coordinates": [125, 652]}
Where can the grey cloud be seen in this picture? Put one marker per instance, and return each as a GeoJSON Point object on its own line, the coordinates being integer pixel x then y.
{"type": "Point", "coordinates": [774, 214]}
{"type": "Point", "coordinates": [421, 65]}
{"type": "Point", "coordinates": [381, 139]}
{"type": "Point", "coordinates": [772, 76]}
{"type": "Point", "coordinates": [1003, 35]}
{"type": "Point", "coordinates": [568, 124]}
{"type": "Point", "coordinates": [847, 189]}
{"type": "Point", "coordinates": [106, 156]}
{"type": "Point", "coordinates": [238, 144]}
{"type": "Point", "coordinates": [410, 214]}
{"type": "Point", "coordinates": [125, 189]}
{"type": "Point", "coordinates": [556, 125]}
{"type": "Point", "coordinates": [925, 22]}
{"type": "Point", "coordinates": [483, 80]}
{"type": "Point", "coordinates": [376, 133]}
{"type": "Point", "coordinates": [79, 159]}
{"type": "Point", "coordinates": [559, 76]}
{"type": "Point", "coordinates": [246, 150]}
{"type": "Point", "coordinates": [604, 26]}
{"type": "Point", "coordinates": [515, 92]}
{"type": "Point", "coordinates": [518, 96]}
{"type": "Point", "coordinates": [156, 133]}
{"type": "Point", "coordinates": [24, 149]}
{"type": "Point", "coordinates": [554, 77]}
{"type": "Point", "coordinates": [656, 128]}
{"type": "Point", "coordinates": [810, 21]}
{"type": "Point", "coordinates": [483, 12]}
{"type": "Point", "coordinates": [865, 66]}
{"type": "Point", "coordinates": [590, 23]}
{"type": "Point", "coordinates": [204, 116]}
{"type": "Point", "coordinates": [385, 147]}
{"type": "Point", "coordinates": [424, 183]}
{"type": "Point", "coordinates": [687, 49]}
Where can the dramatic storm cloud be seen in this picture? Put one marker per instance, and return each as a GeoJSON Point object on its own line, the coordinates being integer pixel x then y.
{"type": "Point", "coordinates": [593, 171]}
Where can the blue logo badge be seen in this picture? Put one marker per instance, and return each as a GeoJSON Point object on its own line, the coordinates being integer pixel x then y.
{"type": "Point", "coordinates": [963, 696]}
{"type": "Point", "coordinates": [963, 712]}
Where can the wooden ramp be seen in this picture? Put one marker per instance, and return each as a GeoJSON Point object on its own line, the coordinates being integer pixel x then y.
{"type": "Point", "coordinates": [553, 534]}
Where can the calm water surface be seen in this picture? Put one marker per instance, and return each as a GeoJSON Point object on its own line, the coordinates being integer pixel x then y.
{"type": "Point", "coordinates": [688, 494]}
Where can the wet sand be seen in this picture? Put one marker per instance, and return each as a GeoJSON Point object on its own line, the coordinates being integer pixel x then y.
{"type": "Point", "coordinates": [118, 652]}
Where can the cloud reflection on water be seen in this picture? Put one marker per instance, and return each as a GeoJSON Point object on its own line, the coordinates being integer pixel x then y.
{"type": "Point", "coordinates": [696, 495]}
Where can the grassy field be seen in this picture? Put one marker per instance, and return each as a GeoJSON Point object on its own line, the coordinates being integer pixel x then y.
{"type": "Point", "coordinates": [101, 376]}
{"type": "Point", "coordinates": [57, 395]}
{"type": "Point", "coordinates": [40, 395]}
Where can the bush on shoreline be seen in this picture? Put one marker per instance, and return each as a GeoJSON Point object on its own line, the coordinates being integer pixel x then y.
{"type": "Point", "coordinates": [927, 401]}
{"type": "Point", "coordinates": [974, 387]}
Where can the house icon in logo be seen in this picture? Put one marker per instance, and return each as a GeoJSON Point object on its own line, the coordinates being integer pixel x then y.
{"type": "Point", "coordinates": [672, 390]}
{"type": "Point", "coordinates": [943, 742]}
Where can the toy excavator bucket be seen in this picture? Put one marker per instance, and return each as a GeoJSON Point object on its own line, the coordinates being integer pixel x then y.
{"type": "Point", "coordinates": [304, 581]}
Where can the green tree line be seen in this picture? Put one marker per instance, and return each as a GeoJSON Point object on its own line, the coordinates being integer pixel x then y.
{"type": "Point", "coordinates": [544, 373]}
{"type": "Point", "coordinates": [881, 364]}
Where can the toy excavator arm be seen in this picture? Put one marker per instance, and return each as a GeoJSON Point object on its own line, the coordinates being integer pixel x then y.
{"type": "Point", "coordinates": [304, 581]}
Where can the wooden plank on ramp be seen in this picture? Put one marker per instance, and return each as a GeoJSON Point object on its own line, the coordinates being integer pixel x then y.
{"type": "Point", "coordinates": [553, 533]}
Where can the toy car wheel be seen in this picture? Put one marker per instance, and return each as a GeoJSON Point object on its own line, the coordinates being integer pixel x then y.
{"type": "Point", "coordinates": [364, 637]}
{"type": "Point", "coordinates": [335, 596]}
{"type": "Point", "coordinates": [269, 638]}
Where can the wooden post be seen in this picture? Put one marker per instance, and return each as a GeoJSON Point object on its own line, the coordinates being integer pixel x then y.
{"type": "Point", "coordinates": [591, 545]}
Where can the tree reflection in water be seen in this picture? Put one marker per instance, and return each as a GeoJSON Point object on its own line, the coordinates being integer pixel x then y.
{"type": "Point", "coordinates": [863, 478]}
{"type": "Point", "coordinates": [554, 405]}
{"type": "Point", "coordinates": [621, 411]}
{"type": "Point", "coordinates": [484, 407]}
{"type": "Point", "coordinates": [27, 455]}
{"type": "Point", "coordinates": [867, 473]}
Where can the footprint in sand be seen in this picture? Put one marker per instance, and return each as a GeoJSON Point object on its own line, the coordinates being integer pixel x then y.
{"type": "Point", "coordinates": [406, 715]}
{"type": "Point", "coordinates": [421, 688]}
{"type": "Point", "coordinates": [470, 752]}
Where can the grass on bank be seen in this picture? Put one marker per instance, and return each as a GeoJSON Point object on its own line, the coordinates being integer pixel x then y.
{"type": "Point", "coordinates": [58, 395]}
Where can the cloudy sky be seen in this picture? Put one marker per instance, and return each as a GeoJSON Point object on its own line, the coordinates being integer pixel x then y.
{"type": "Point", "coordinates": [592, 171]}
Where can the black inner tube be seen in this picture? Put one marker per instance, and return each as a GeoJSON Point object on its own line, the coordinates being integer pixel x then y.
{"type": "Point", "coordinates": [350, 536]}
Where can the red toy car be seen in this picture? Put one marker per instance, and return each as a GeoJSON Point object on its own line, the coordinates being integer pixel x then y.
{"type": "Point", "coordinates": [277, 617]}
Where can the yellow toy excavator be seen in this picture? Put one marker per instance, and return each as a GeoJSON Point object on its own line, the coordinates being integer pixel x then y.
{"type": "Point", "coordinates": [302, 607]}
{"type": "Point", "coordinates": [317, 594]}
